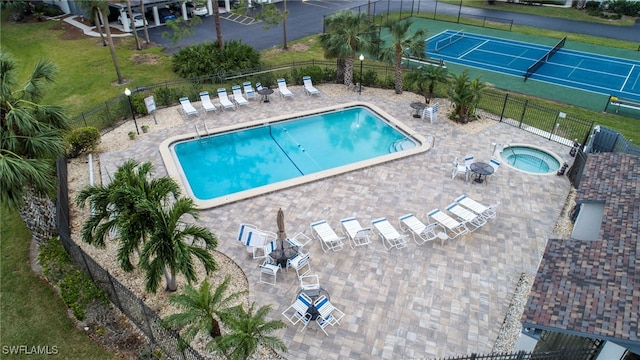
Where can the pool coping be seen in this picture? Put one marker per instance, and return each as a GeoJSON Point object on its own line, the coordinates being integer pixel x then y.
{"type": "Point", "coordinates": [170, 162]}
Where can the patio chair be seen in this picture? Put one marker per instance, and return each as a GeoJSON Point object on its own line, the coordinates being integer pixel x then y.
{"type": "Point", "coordinates": [187, 108]}
{"type": "Point", "coordinates": [421, 232]}
{"type": "Point", "coordinates": [455, 227]}
{"type": "Point", "coordinates": [322, 231]}
{"type": "Point", "coordinates": [299, 240]}
{"type": "Point", "coordinates": [258, 86]}
{"type": "Point", "coordinates": [225, 103]}
{"type": "Point", "coordinates": [309, 282]}
{"type": "Point", "coordinates": [486, 212]}
{"type": "Point", "coordinates": [468, 216]}
{"type": "Point", "coordinates": [297, 311]}
{"type": "Point", "coordinates": [237, 96]}
{"type": "Point", "coordinates": [284, 91]}
{"type": "Point", "coordinates": [459, 168]}
{"type": "Point", "coordinates": [207, 105]}
{"type": "Point", "coordinates": [309, 89]}
{"type": "Point", "coordinates": [269, 270]}
{"type": "Point", "coordinates": [299, 263]}
{"type": "Point", "coordinates": [249, 92]}
{"type": "Point", "coordinates": [328, 314]}
{"type": "Point", "coordinates": [388, 234]}
{"type": "Point", "coordinates": [262, 252]}
{"type": "Point", "coordinates": [495, 164]}
{"type": "Point", "coordinates": [468, 160]}
{"type": "Point", "coordinates": [252, 237]}
{"type": "Point", "coordinates": [358, 236]}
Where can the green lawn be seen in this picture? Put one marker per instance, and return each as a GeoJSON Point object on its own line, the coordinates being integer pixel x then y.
{"type": "Point", "coordinates": [31, 314]}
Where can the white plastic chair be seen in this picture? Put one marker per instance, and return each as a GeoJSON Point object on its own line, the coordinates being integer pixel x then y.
{"type": "Point", "coordinates": [249, 93]}
{"type": "Point", "coordinates": [225, 103]}
{"type": "Point", "coordinates": [187, 108]}
{"type": "Point", "coordinates": [284, 91]}
{"type": "Point", "coordinates": [299, 240]}
{"type": "Point", "coordinates": [299, 263]}
{"type": "Point", "coordinates": [207, 105]}
{"type": "Point", "coordinates": [262, 252]}
{"type": "Point", "coordinates": [309, 282]}
{"type": "Point", "coordinates": [468, 160]}
{"type": "Point", "coordinates": [298, 311]}
{"type": "Point", "coordinates": [358, 236]}
{"type": "Point", "coordinates": [495, 164]}
{"type": "Point", "coordinates": [459, 168]}
{"type": "Point", "coordinates": [269, 269]}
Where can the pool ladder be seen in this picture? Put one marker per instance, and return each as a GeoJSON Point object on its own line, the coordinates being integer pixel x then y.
{"type": "Point", "coordinates": [205, 130]}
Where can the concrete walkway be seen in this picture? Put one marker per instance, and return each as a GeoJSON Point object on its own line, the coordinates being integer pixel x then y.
{"type": "Point", "coordinates": [423, 301]}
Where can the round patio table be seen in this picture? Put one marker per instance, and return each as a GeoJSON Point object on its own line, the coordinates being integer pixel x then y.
{"type": "Point", "coordinates": [481, 169]}
{"type": "Point", "coordinates": [417, 107]}
{"type": "Point", "coordinates": [265, 92]}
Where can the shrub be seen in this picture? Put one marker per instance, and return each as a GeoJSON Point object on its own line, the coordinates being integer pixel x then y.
{"type": "Point", "coordinates": [314, 71]}
{"type": "Point", "coordinates": [329, 74]}
{"type": "Point", "coordinates": [165, 96]}
{"type": "Point", "coordinates": [370, 78]}
{"type": "Point", "coordinates": [207, 58]}
{"type": "Point", "coordinates": [137, 100]}
{"type": "Point", "coordinates": [76, 288]}
{"type": "Point", "coordinates": [82, 139]}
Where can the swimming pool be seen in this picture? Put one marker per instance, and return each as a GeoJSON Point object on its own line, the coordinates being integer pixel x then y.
{"type": "Point", "coordinates": [531, 159]}
{"type": "Point", "coordinates": [251, 159]}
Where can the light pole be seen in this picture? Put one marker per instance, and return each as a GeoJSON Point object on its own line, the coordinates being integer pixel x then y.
{"type": "Point", "coordinates": [133, 114]}
{"type": "Point", "coordinates": [361, 60]}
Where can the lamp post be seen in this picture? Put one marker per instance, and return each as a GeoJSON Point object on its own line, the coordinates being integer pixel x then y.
{"type": "Point", "coordinates": [361, 60]}
{"type": "Point", "coordinates": [133, 114]}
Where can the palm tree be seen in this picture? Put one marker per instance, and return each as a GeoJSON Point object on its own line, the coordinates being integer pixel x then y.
{"type": "Point", "coordinates": [348, 32]}
{"type": "Point", "coordinates": [167, 251]}
{"type": "Point", "coordinates": [425, 78]}
{"type": "Point", "coordinates": [216, 18]}
{"type": "Point", "coordinates": [464, 95]}
{"type": "Point", "coordinates": [402, 42]}
{"type": "Point", "coordinates": [31, 139]}
{"type": "Point", "coordinates": [116, 207]}
{"type": "Point", "coordinates": [247, 331]}
{"type": "Point", "coordinates": [100, 8]}
{"type": "Point", "coordinates": [132, 25]}
{"type": "Point", "coordinates": [201, 309]}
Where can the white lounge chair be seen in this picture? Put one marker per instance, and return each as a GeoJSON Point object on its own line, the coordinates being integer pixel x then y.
{"type": "Point", "coordinates": [252, 237]}
{"type": "Point", "coordinates": [249, 92]}
{"type": "Point", "coordinates": [468, 216]}
{"type": "Point", "coordinates": [284, 91]}
{"type": "Point", "coordinates": [187, 108]}
{"type": "Point", "coordinates": [309, 89]}
{"type": "Point", "coordinates": [389, 234]}
{"type": "Point", "coordinates": [421, 232]}
{"type": "Point", "coordinates": [237, 96]}
{"type": "Point", "coordinates": [322, 231]}
{"type": "Point", "coordinates": [459, 168]}
{"type": "Point", "coordinates": [454, 226]}
{"type": "Point", "coordinates": [225, 103]}
{"type": "Point", "coordinates": [358, 236]}
{"type": "Point", "coordinates": [207, 105]}
{"type": "Point", "coordinates": [486, 212]}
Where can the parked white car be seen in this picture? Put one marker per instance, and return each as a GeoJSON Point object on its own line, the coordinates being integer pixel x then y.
{"type": "Point", "coordinates": [138, 19]}
{"type": "Point", "coordinates": [197, 10]}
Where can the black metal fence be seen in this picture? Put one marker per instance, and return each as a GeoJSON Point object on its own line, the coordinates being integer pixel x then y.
{"type": "Point", "coordinates": [565, 354]}
{"type": "Point", "coordinates": [121, 297]}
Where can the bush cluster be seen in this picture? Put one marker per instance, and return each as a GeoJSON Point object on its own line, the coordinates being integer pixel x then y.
{"type": "Point", "coordinates": [207, 58]}
{"type": "Point", "coordinates": [80, 140]}
{"type": "Point", "coordinates": [613, 9]}
{"type": "Point", "coordinates": [76, 287]}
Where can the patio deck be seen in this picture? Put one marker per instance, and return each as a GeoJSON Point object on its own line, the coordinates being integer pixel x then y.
{"type": "Point", "coordinates": [422, 301]}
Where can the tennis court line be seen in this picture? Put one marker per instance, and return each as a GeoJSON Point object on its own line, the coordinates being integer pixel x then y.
{"type": "Point", "coordinates": [472, 49]}
{"type": "Point", "coordinates": [627, 79]}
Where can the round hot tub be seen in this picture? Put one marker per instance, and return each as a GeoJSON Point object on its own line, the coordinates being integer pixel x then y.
{"type": "Point", "coordinates": [531, 159]}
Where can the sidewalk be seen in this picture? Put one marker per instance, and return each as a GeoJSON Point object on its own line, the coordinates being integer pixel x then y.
{"type": "Point", "coordinates": [87, 30]}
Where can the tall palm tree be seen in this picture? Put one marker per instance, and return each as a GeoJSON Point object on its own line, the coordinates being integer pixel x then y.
{"type": "Point", "coordinates": [402, 42]}
{"type": "Point", "coordinates": [247, 331]}
{"type": "Point", "coordinates": [31, 138]}
{"type": "Point", "coordinates": [426, 77]}
{"type": "Point", "coordinates": [132, 25]}
{"type": "Point", "coordinates": [117, 207]}
{"type": "Point", "coordinates": [348, 33]}
{"type": "Point", "coordinates": [465, 96]}
{"type": "Point", "coordinates": [101, 8]}
{"type": "Point", "coordinates": [173, 244]}
{"type": "Point", "coordinates": [201, 309]}
{"type": "Point", "coordinates": [216, 18]}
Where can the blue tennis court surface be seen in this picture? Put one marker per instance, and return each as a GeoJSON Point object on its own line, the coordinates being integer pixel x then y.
{"type": "Point", "coordinates": [580, 70]}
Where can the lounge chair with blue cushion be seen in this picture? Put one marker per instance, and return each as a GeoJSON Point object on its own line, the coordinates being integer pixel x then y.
{"type": "Point", "coordinates": [237, 96]}
{"type": "Point", "coordinates": [389, 235]}
{"type": "Point", "coordinates": [309, 89]}
{"type": "Point", "coordinates": [358, 235]}
{"type": "Point", "coordinates": [249, 92]}
{"type": "Point", "coordinates": [205, 100]}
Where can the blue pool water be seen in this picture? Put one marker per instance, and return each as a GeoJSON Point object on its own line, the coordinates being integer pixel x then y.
{"type": "Point", "coordinates": [530, 159]}
{"type": "Point", "coordinates": [231, 162]}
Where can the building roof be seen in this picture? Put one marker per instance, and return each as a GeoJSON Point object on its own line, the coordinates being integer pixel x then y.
{"type": "Point", "coordinates": [592, 288]}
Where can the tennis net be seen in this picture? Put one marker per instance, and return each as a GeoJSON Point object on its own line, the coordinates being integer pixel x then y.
{"type": "Point", "coordinates": [544, 58]}
{"type": "Point", "coordinates": [441, 44]}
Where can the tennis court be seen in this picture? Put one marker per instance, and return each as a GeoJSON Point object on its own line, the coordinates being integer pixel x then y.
{"type": "Point", "coordinates": [556, 65]}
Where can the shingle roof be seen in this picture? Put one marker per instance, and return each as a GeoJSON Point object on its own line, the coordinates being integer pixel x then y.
{"type": "Point", "coordinates": [593, 287]}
